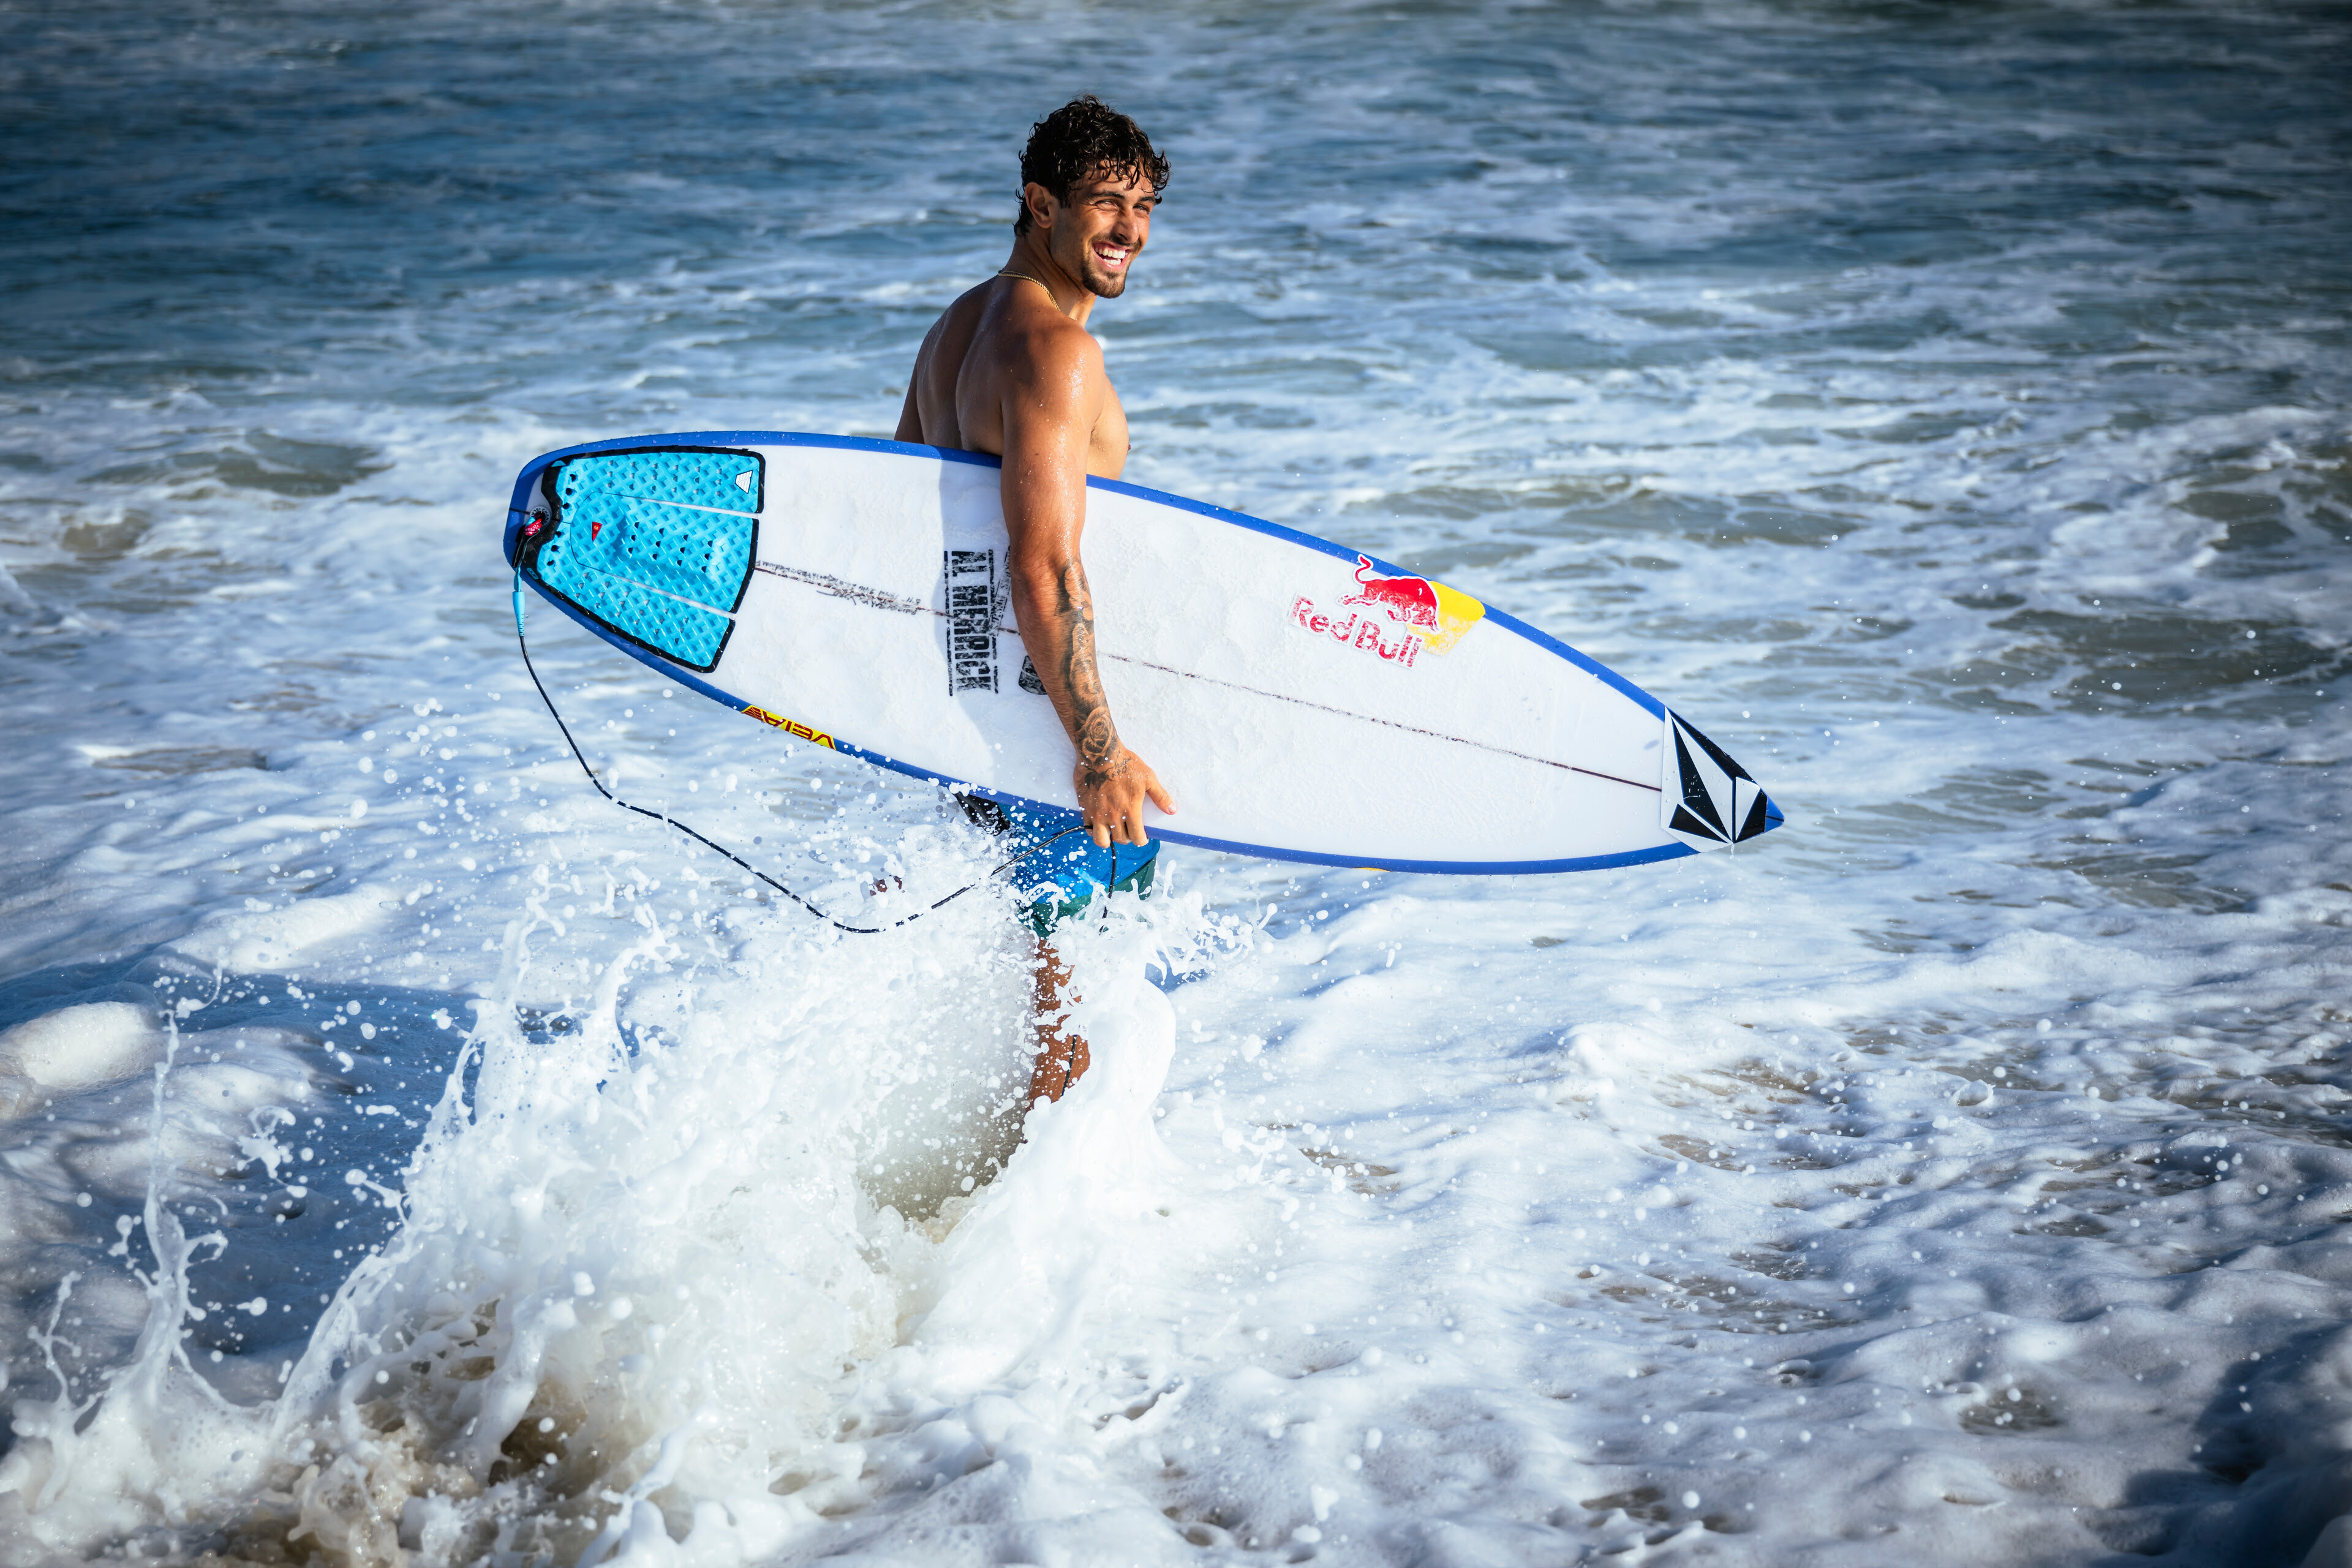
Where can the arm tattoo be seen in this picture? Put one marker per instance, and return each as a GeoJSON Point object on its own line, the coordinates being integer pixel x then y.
{"type": "Point", "coordinates": [1090, 725]}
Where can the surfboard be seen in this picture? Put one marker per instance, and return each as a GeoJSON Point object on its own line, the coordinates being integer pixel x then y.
{"type": "Point", "coordinates": [1303, 700]}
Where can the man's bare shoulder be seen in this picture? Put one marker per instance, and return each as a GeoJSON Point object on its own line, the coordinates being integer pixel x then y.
{"type": "Point", "coordinates": [1031, 338]}
{"type": "Point", "coordinates": [999, 355]}
{"type": "Point", "coordinates": [956, 324]}
{"type": "Point", "coordinates": [1016, 331]}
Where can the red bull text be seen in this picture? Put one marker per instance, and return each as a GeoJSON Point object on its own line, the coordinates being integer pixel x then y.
{"type": "Point", "coordinates": [1360, 632]}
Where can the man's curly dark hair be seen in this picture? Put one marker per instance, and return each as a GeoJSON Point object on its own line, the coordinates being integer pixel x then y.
{"type": "Point", "coordinates": [1087, 137]}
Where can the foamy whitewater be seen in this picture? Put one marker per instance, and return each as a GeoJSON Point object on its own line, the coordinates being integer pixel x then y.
{"type": "Point", "coordinates": [407, 1158]}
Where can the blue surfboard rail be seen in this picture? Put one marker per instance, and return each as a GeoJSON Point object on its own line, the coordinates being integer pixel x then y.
{"type": "Point", "coordinates": [518, 514]}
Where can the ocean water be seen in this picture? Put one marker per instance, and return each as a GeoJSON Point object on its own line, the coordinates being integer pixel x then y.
{"type": "Point", "coordinates": [407, 1158]}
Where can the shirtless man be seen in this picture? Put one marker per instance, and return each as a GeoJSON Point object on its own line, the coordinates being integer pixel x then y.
{"type": "Point", "coordinates": [1012, 370]}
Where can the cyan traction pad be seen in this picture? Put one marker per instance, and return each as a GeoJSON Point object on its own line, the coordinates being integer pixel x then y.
{"type": "Point", "coordinates": [657, 546]}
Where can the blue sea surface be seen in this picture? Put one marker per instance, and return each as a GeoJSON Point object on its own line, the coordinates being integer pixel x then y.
{"type": "Point", "coordinates": [406, 1157]}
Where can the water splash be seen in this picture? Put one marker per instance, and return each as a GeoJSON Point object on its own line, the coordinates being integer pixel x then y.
{"type": "Point", "coordinates": [643, 1268]}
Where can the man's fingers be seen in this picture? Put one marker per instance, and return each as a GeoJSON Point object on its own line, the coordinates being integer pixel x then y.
{"type": "Point", "coordinates": [1116, 825]}
{"type": "Point", "coordinates": [1114, 808]}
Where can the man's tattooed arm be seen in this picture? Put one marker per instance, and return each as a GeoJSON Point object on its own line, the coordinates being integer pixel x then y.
{"type": "Point", "coordinates": [1055, 610]}
{"type": "Point", "coordinates": [1100, 756]}
{"type": "Point", "coordinates": [1051, 401]}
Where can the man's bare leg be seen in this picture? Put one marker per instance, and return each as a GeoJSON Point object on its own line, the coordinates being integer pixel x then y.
{"type": "Point", "coordinates": [1062, 1058]}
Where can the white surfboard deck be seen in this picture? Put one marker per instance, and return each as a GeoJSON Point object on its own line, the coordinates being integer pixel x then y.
{"type": "Point", "coordinates": [1301, 702]}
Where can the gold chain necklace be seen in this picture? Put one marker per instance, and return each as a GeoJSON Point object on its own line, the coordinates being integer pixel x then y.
{"type": "Point", "coordinates": [1039, 281]}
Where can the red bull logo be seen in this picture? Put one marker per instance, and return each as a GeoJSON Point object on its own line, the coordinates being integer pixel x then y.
{"type": "Point", "coordinates": [1408, 599]}
{"type": "Point", "coordinates": [1432, 614]}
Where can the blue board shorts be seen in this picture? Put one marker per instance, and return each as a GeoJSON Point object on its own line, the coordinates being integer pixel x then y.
{"type": "Point", "coordinates": [1060, 870]}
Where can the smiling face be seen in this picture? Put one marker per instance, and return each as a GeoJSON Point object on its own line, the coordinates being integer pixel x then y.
{"type": "Point", "coordinates": [1094, 235]}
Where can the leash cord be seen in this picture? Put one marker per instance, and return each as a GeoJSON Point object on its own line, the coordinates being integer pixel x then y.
{"type": "Point", "coordinates": [663, 818]}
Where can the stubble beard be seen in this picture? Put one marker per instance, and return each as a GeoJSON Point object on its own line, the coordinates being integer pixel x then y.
{"type": "Point", "coordinates": [1096, 279]}
{"type": "Point", "coordinates": [1106, 284]}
